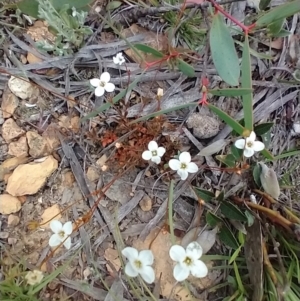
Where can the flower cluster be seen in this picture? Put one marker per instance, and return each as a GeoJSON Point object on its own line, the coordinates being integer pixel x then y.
{"type": "Point", "coordinates": [187, 262]}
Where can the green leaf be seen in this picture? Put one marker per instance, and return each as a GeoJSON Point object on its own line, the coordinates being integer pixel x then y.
{"type": "Point", "coordinates": [256, 175]}
{"type": "Point", "coordinates": [213, 220]}
{"type": "Point", "coordinates": [263, 4]}
{"type": "Point", "coordinates": [287, 154]}
{"type": "Point", "coordinates": [277, 13]}
{"type": "Point", "coordinates": [205, 195]}
{"type": "Point", "coordinates": [235, 255]}
{"type": "Point", "coordinates": [29, 7]}
{"type": "Point", "coordinates": [247, 83]}
{"type": "Point", "coordinates": [228, 160]}
{"type": "Point", "coordinates": [239, 282]}
{"type": "Point", "coordinates": [148, 49]}
{"type": "Point", "coordinates": [227, 237]}
{"type": "Point", "coordinates": [263, 128]}
{"type": "Point", "coordinates": [221, 196]}
{"type": "Point", "coordinates": [232, 212]}
{"type": "Point", "coordinates": [267, 154]}
{"type": "Point", "coordinates": [250, 218]}
{"type": "Point", "coordinates": [281, 34]}
{"type": "Point", "coordinates": [275, 27]}
{"type": "Point", "coordinates": [266, 138]}
{"type": "Point", "coordinates": [255, 53]}
{"type": "Point", "coordinates": [227, 119]}
{"type": "Point", "coordinates": [230, 92]}
{"type": "Point", "coordinates": [223, 51]}
{"type": "Point", "coordinates": [236, 152]}
{"type": "Point", "coordinates": [113, 5]}
{"type": "Point", "coordinates": [185, 68]}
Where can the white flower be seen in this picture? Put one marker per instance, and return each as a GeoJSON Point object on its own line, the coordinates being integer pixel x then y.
{"type": "Point", "coordinates": [102, 84]}
{"type": "Point", "coordinates": [139, 263]}
{"type": "Point", "coordinates": [249, 145]}
{"type": "Point", "coordinates": [183, 166]}
{"type": "Point", "coordinates": [188, 261]}
{"type": "Point", "coordinates": [61, 234]}
{"type": "Point", "coordinates": [34, 277]}
{"type": "Point", "coordinates": [154, 153]}
{"type": "Point", "coordinates": [119, 59]}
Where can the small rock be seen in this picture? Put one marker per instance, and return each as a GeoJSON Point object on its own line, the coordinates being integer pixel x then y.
{"type": "Point", "coordinates": [9, 204]}
{"type": "Point", "coordinates": [144, 216]}
{"type": "Point", "coordinates": [102, 160]}
{"type": "Point", "coordinates": [23, 89]}
{"type": "Point", "coordinates": [49, 213]}
{"type": "Point", "coordinates": [146, 203]}
{"type": "Point", "coordinates": [13, 220]}
{"type": "Point", "coordinates": [10, 130]}
{"type": "Point", "coordinates": [37, 144]}
{"type": "Point", "coordinates": [203, 126]}
{"type": "Point", "coordinates": [9, 103]}
{"type": "Point", "coordinates": [29, 178]}
{"type": "Point", "coordinates": [72, 123]}
{"type": "Point", "coordinates": [51, 137]}
{"type": "Point", "coordinates": [12, 241]}
{"type": "Point", "coordinates": [18, 148]}
{"type": "Point", "coordinates": [4, 235]}
{"type": "Point", "coordinates": [67, 179]}
{"type": "Point", "coordinates": [32, 59]}
{"type": "Point", "coordinates": [92, 174]}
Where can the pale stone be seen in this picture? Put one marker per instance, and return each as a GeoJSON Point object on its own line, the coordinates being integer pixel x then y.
{"type": "Point", "coordinates": [13, 220]}
{"type": "Point", "coordinates": [50, 134]}
{"type": "Point", "coordinates": [37, 145]}
{"type": "Point", "coordinates": [146, 203]}
{"type": "Point", "coordinates": [27, 179]}
{"type": "Point", "coordinates": [22, 88]}
{"type": "Point", "coordinates": [9, 103]}
{"type": "Point", "coordinates": [18, 148]}
{"type": "Point", "coordinates": [67, 179]}
{"type": "Point", "coordinates": [10, 130]}
{"type": "Point", "coordinates": [92, 174]}
{"type": "Point", "coordinates": [4, 235]}
{"type": "Point", "coordinates": [9, 204]}
{"type": "Point", "coordinates": [50, 213]}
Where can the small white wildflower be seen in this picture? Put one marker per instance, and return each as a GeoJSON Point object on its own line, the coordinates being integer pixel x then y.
{"type": "Point", "coordinates": [119, 59]}
{"type": "Point", "coordinates": [154, 153]}
{"type": "Point", "coordinates": [34, 277]}
{"type": "Point", "coordinates": [61, 234]}
{"type": "Point", "coordinates": [183, 166]}
{"type": "Point", "coordinates": [139, 263]}
{"type": "Point", "coordinates": [102, 84]}
{"type": "Point", "coordinates": [188, 261]}
{"type": "Point", "coordinates": [249, 145]}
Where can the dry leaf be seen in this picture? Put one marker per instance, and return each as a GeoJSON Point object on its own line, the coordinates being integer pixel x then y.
{"type": "Point", "coordinates": [112, 256]}
{"type": "Point", "coordinates": [213, 148]}
{"type": "Point", "coordinates": [269, 181]}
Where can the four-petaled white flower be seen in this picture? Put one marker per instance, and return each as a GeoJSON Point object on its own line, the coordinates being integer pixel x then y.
{"type": "Point", "coordinates": [183, 166]}
{"type": "Point", "coordinates": [119, 59]}
{"type": "Point", "coordinates": [61, 234]}
{"type": "Point", "coordinates": [188, 261]}
{"type": "Point", "coordinates": [154, 153]}
{"type": "Point", "coordinates": [102, 84]}
{"type": "Point", "coordinates": [139, 263]}
{"type": "Point", "coordinates": [34, 277]}
{"type": "Point", "coordinates": [249, 145]}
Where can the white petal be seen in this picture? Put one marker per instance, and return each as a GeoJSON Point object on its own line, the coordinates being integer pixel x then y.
{"type": "Point", "coordinates": [147, 274]}
{"type": "Point", "coordinates": [152, 146]}
{"type": "Point", "coordinates": [180, 272]}
{"type": "Point", "coordinates": [67, 228]}
{"type": "Point", "coordinates": [99, 91]}
{"type": "Point", "coordinates": [156, 159]}
{"type": "Point", "coordinates": [174, 164]}
{"type": "Point", "coordinates": [248, 152]}
{"type": "Point", "coordinates": [240, 143]}
{"type": "Point", "coordinates": [130, 253]}
{"type": "Point", "coordinates": [194, 250]}
{"type": "Point", "coordinates": [105, 77]}
{"type": "Point", "coordinates": [177, 253]}
{"type": "Point", "coordinates": [95, 82]}
{"type": "Point", "coordinates": [258, 146]}
{"type": "Point", "coordinates": [161, 151]}
{"type": "Point", "coordinates": [54, 240]}
{"type": "Point", "coordinates": [67, 243]}
{"type": "Point", "coordinates": [146, 257]}
{"type": "Point", "coordinates": [147, 155]}
{"type": "Point", "coordinates": [116, 60]}
{"type": "Point", "coordinates": [192, 167]}
{"type": "Point", "coordinates": [56, 226]}
{"type": "Point", "coordinates": [252, 136]}
{"type": "Point", "coordinates": [183, 174]}
{"type": "Point", "coordinates": [130, 270]}
{"type": "Point", "coordinates": [199, 269]}
{"type": "Point", "coordinates": [109, 87]}
{"type": "Point", "coordinates": [185, 157]}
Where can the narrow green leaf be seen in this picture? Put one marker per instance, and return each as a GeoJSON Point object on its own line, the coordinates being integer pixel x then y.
{"type": "Point", "coordinates": [250, 218]}
{"type": "Point", "coordinates": [281, 34]}
{"type": "Point", "coordinates": [148, 49]}
{"type": "Point", "coordinates": [267, 155]}
{"type": "Point", "coordinates": [247, 83]}
{"type": "Point", "coordinates": [235, 255]}
{"type": "Point", "coordinates": [227, 119]}
{"type": "Point", "coordinates": [263, 4]}
{"type": "Point", "coordinates": [230, 92]}
{"type": "Point", "coordinates": [205, 195]}
{"type": "Point", "coordinates": [239, 281]}
{"type": "Point", "coordinates": [185, 68]}
{"type": "Point", "coordinates": [263, 128]}
{"type": "Point", "coordinates": [221, 196]}
{"type": "Point", "coordinates": [227, 237]}
{"type": "Point", "coordinates": [287, 154]}
{"type": "Point", "coordinates": [223, 51]}
{"type": "Point", "coordinates": [275, 27]}
{"type": "Point", "coordinates": [279, 12]}
{"type": "Point", "coordinates": [232, 212]}
{"type": "Point", "coordinates": [29, 7]}
{"type": "Point", "coordinates": [255, 53]}
{"type": "Point", "coordinates": [213, 220]}
{"type": "Point", "coordinates": [266, 139]}
{"type": "Point", "coordinates": [256, 175]}
{"type": "Point", "coordinates": [236, 152]}
{"type": "Point", "coordinates": [113, 5]}
{"type": "Point", "coordinates": [228, 160]}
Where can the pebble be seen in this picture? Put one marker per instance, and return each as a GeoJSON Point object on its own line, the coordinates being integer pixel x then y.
{"type": "Point", "coordinates": [9, 204]}
{"type": "Point", "coordinates": [10, 130]}
{"type": "Point", "coordinates": [13, 220]}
